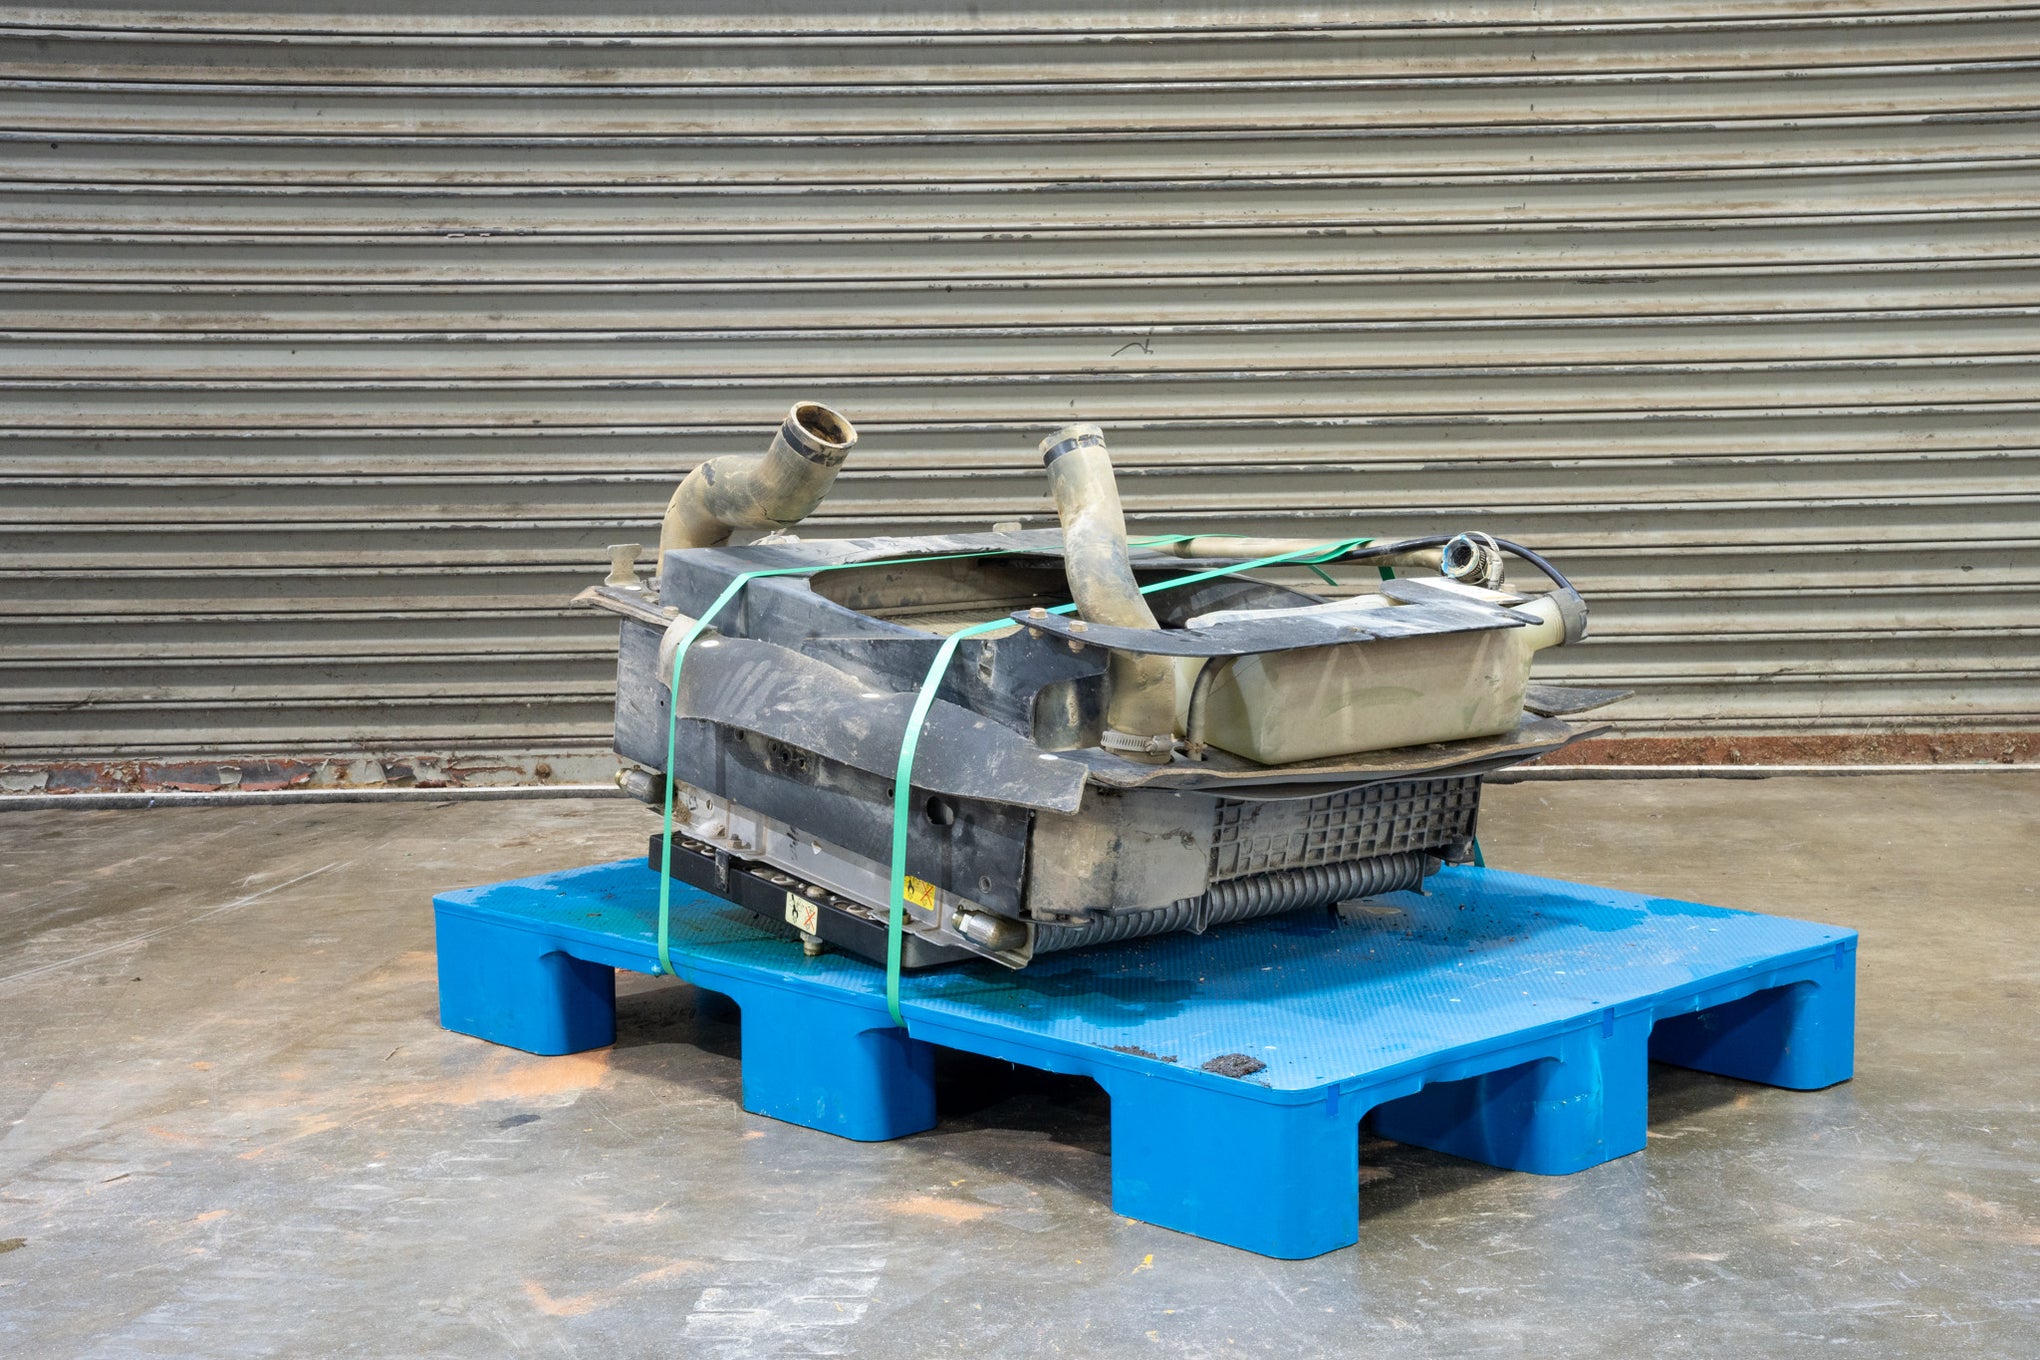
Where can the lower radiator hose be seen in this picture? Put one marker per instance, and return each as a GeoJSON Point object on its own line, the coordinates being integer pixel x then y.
{"type": "Point", "coordinates": [1245, 899]}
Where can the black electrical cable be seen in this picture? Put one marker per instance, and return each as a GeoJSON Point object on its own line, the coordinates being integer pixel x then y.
{"type": "Point", "coordinates": [1361, 554]}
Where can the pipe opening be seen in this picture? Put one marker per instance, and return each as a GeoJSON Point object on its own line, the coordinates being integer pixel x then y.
{"type": "Point", "coordinates": [1474, 559]}
{"type": "Point", "coordinates": [772, 491]}
{"type": "Point", "coordinates": [823, 426]}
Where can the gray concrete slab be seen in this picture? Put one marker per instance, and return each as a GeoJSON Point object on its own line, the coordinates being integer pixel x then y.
{"type": "Point", "coordinates": [229, 1126]}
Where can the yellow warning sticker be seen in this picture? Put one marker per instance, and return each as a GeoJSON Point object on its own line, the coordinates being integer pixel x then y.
{"type": "Point", "coordinates": [802, 914]}
{"type": "Point", "coordinates": [920, 893]}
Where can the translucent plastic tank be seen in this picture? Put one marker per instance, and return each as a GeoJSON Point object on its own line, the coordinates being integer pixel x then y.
{"type": "Point", "coordinates": [1320, 702]}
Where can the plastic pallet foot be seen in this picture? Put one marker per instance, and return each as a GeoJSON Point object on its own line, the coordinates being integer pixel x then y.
{"type": "Point", "coordinates": [1282, 1180]}
{"type": "Point", "coordinates": [1800, 1036]}
{"type": "Point", "coordinates": [843, 1069]}
{"type": "Point", "coordinates": [520, 989]}
{"type": "Point", "coordinates": [1554, 1116]}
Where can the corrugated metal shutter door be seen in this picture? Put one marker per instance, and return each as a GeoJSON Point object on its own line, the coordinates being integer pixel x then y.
{"type": "Point", "coordinates": [339, 345]}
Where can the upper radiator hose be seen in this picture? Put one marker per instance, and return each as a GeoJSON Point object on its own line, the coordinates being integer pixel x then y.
{"type": "Point", "coordinates": [775, 489]}
{"type": "Point", "coordinates": [1140, 709]}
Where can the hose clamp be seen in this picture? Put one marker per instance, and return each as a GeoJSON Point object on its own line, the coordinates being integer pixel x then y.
{"type": "Point", "coordinates": [1126, 743]}
{"type": "Point", "coordinates": [1075, 437]}
{"type": "Point", "coordinates": [810, 445]}
{"type": "Point", "coordinates": [1572, 613]}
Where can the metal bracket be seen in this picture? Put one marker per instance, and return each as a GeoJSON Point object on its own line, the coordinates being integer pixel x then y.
{"type": "Point", "coordinates": [623, 566]}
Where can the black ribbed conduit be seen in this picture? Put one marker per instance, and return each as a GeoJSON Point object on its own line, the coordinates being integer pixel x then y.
{"type": "Point", "coordinates": [1244, 899]}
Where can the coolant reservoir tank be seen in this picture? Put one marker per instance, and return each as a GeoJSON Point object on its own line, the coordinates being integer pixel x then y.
{"type": "Point", "coordinates": [1318, 702]}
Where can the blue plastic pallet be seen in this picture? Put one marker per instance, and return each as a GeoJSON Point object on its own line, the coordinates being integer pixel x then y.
{"type": "Point", "coordinates": [1497, 1017]}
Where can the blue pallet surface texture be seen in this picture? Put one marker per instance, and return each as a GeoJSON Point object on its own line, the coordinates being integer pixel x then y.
{"type": "Point", "coordinates": [1494, 1016]}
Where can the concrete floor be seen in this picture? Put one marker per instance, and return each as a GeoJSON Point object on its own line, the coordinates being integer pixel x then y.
{"type": "Point", "coordinates": [229, 1126]}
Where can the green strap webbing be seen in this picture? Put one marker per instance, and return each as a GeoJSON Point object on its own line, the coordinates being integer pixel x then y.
{"type": "Point", "coordinates": [730, 592]}
{"type": "Point", "coordinates": [672, 734]}
{"type": "Point", "coordinates": [1307, 557]}
{"type": "Point", "coordinates": [917, 719]}
{"type": "Point", "coordinates": [896, 905]}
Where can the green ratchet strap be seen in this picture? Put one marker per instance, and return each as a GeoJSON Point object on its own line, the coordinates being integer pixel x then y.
{"type": "Point", "coordinates": [1161, 540]}
{"type": "Point", "coordinates": [730, 592]}
{"type": "Point", "coordinates": [923, 702]}
{"type": "Point", "coordinates": [910, 740]}
{"type": "Point", "coordinates": [896, 906]}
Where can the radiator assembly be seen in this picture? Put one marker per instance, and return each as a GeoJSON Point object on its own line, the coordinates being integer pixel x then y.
{"type": "Point", "coordinates": [1180, 749]}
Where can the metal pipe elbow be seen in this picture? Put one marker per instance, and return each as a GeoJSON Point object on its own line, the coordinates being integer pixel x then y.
{"type": "Point", "coordinates": [1140, 706]}
{"type": "Point", "coordinates": [772, 490]}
